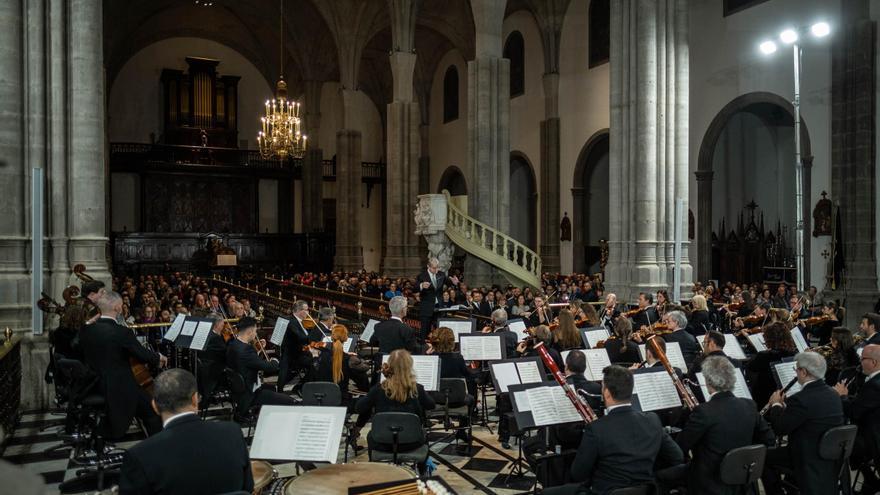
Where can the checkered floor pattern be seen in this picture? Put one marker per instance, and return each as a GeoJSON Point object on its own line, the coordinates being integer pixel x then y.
{"type": "Point", "coordinates": [484, 468]}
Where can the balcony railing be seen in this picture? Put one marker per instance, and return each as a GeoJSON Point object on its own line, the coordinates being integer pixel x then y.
{"type": "Point", "coordinates": [145, 155]}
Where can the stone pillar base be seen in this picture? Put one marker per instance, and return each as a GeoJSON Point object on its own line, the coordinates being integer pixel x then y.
{"type": "Point", "coordinates": [35, 392]}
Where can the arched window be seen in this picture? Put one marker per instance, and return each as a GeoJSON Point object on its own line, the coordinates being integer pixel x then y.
{"type": "Point", "coordinates": [450, 94]}
{"type": "Point", "coordinates": [600, 32]}
{"type": "Point", "coordinates": [514, 50]}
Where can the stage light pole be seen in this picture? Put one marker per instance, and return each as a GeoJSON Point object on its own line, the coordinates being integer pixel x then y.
{"type": "Point", "coordinates": [791, 36]}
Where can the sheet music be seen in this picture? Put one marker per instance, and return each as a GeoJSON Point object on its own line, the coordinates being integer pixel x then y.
{"type": "Point", "coordinates": [731, 346]}
{"type": "Point", "coordinates": [799, 340]}
{"type": "Point", "coordinates": [656, 391]}
{"type": "Point", "coordinates": [189, 328]}
{"type": "Point", "coordinates": [201, 336]}
{"type": "Point", "coordinates": [787, 371]}
{"type": "Point", "coordinates": [458, 327]}
{"type": "Point", "coordinates": [740, 389]}
{"type": "Point", "coordinates": [594, 336]}
{"type": "Point", "coordinates": [278, 332]}
{"type": "Point", "coordinates": [597, 361]}
{"type": "Point", "coordinates": [481, 347]}
{"type": "Point", "coordinates": [673, 354]}
{"type": "Point", "coordinates": [522, 401]}
{"type": "Point", "coordinates": [528, 372]}
{"type": "Point", "coordinates": [346, 347]}
{"type": "Point", "coordinates": [505, 375]}
{"type": "Point", "coordinates": [176, 326]}
{"type": "Point", "coordinates": [548, 408]}
{"type": "Point", "coordinates": [757, 341]}
{"type": "Point", "coordinates": [369, 329]}
{"type": "Point", "coordinates": [426, 369]}
{"type": "Point", "coordinates": [298, 433]}
{"type": "Point", "coordinates": [518, 327]}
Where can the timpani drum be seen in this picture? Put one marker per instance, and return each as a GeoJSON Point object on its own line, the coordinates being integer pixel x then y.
{"type": "Point", "coordinates": [263, 473]}
{"type": "Point", "coordinates": [338, 478]}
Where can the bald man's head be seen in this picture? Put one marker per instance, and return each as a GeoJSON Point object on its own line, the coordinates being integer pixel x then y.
{"type": "Point", "coordinates": [870, 359]}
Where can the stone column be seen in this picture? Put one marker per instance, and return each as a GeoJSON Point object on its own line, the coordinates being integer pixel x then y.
{"type": "Point", "coordinates": [807, 208]}
{"type": "Point", "coordinates": [313, 168]}
{"type": "Point", "coordinates": [704, 224]}
{"type": "Point", "coordinates": [14, 279]}
{"type": "Point", "coordinates": [648, 152]}
{"type": "Point", "coordinates": [87, 180]}
{"type": "Point", "coordinates": [425, 159]}
{"type": "Point", "coordinates": [853, 161]}
{"type": "Point", "coordinates": [403, 147]}
{"type": "Point", "coordinates": [550, 175]}
{"type": "Point", "coordinates": [349, 250]}
{"type": "Point", "coordinates": [57, 166]}
{"type": "Point", "coordinates": [488, 132]}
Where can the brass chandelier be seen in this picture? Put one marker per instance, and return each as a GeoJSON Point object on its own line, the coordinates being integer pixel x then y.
{"type": "Point", "coordinates": [282, 126]}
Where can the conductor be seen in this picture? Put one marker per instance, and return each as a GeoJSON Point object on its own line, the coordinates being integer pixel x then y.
{"type": "Point", "coordinates": [430, 283]}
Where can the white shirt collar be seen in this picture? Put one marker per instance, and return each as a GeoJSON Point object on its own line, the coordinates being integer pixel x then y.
{"type": "Point", "coordinates": [397, 318]}
{"type": "Point", "coordinates": [172, 418]}
{"type": "Point", "coordinates": [111, 318]}
{"type": "Point", "coordinates": [611, 408]}
{"type": "Point", "coordinates": [872, 375]}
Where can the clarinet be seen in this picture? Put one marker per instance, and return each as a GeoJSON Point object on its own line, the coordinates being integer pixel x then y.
{"type": "Point", "coordinates": [784, 390]}
{"type": "Point", "coordinates": [686, 395]}
{"type": "Point", "coordinates": [582, 407]}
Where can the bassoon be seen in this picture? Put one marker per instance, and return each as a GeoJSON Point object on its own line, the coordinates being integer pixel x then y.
{"type": "Point", "coordinates": [582, 407]}
{"type": "Point", "coordinates": [686, 395]}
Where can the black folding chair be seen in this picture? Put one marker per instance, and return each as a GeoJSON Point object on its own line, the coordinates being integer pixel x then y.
{"type": "Point", "coordinates": [742, 467]}
{"type": "Point", "coordinates": [837, 445]}
{"type": "Point", "coordinates": [321, 394]}
{"type": "Point", "coordinates": [395, 429]}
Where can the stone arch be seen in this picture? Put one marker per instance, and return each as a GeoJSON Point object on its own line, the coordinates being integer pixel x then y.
{"type": "Point", "coordinates": [523, 212]}
{"type": "Point", "coordinates": [453, 181]}
{"type": "Point", "coordinates": [749, 103]}
{"type": "Point", "coordinates": [590, 157]}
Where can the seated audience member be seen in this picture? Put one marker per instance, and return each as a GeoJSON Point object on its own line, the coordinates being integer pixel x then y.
{"type": "Point", "coordinates": [622, 448]}
{"type": "Point", "coordinates": [189, 455]}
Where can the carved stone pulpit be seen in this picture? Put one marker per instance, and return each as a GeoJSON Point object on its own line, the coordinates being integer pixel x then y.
{"type": "Point", "coordinates": [430, 217]}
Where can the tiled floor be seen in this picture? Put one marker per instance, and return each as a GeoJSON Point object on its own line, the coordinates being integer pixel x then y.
{"type": "Point", "coordinates": [482, 470]}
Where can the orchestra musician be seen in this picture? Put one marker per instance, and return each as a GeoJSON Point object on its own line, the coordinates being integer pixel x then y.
{"type": "Point", "coordinates": [566, 336]}
{"type": "Point", "coordinates": [541, 315]}
{"type": "Point", "coordinates": [713, 345]}
{"type": "Point", "coordinates": [864, 410]}
{"type": "Point", "coordinates": [540, 334]}
{"type": "Point", "coordinates": [174, 461]}
{"type": "Point", "coordinates": [841, 356]}
{"type": "Point", "coordinates": [296, 338]}
{"type": "Point", "coordinates": [804, 417]}
{"type": "Point", "coordinates": [621, 349]}
{"type": "Point", "coordinates": [453, 365]}
{"type": "Point", "coordinates": [677, 322]}
{"type": "Point", "coordinates": [699, 322]}
{"type": "Point", "coordinates": [822, 331]}
{"type": "Point", "coordinates": [398, 393]}
{"type": "Point", "coordinates": [758, 318]}
{"type": "Point", "coordinates": [393, 334]}
{"type": "Point", "coordinates": [663, 303]}
{"type": "Point", "coordinates": [212, 361]}
{"type": "Point", "coordinates": [336, 366]}
{"type": "Point", "coordinates": [499, 325]}
{"type": "Point", "coordinates": [243, 358]}
{"type": "Point", "coordinates": [609, 312]}
{"type": "Point", "coordinates": [647, 314]}
{"type": "Point", "coordinates": [715, 427]}
{"type": "Point", "coordinates": [107, 348]}
{"type": "Point", "coordinates": [779, 345]}
{"type": "Point", "coordinates": [430, 284]}
{"type": "Point", "coordinates": [869, 326]}
{"type": "Point", "coordinates": [326, 320]}
{"type": "Point", "coordinates": [620, 449]}
{"type": "Point", "coordinates": [568, 436]}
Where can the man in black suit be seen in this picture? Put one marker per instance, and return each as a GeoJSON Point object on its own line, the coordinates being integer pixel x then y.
{"type": "Point", "coordinates": [868, 327]}
{"type": "Point", "coordinates": [326, 319]}
{"type": "Point", "coordinates": [804, 417]}
{"type": "Point", "coordinates": [621, 448]}
{"type": "Point", "coordinates": [107, 348]}
{"type": "Point", "coordinates": [715, 427]}
{"type": "Point", "coordinates": [677, 322]}
{"type": "Point", "coordinates": [508, 337]}
{"type": "Point", "coordinates": [189, 455]}
{"type": "Point", "coordinates": [430, 284]}
{"type": "Point", "coordinates": [648, 316]}
{"type": "Point", "coordinates": [477, 305]}
{"type": "Point", "coordinates": [242, 358]}
{"type": "Point", "coordinates": [713, 345]}
{"type": "Point", "coordinates": [212, 360]}
{"type": "Point", "coordinates": [394, 334]}
{"type": "Point", "coordinates": [293, 357]}
{"type": "Point", "coordinates": [864, 410]}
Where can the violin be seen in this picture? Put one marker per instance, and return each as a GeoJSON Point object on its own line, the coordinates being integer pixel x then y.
{"type": "Point", "coordinates": [633, 312]}
{"type": "Point", "coordinates": [655, 329]}
{"type": "Point", "coordinates": [815, 320]}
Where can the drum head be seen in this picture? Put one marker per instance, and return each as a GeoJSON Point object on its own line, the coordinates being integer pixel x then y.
{"type": "Point", "coordinates": [263, 474]}
{"type": "Point", "coordinates": [336, 479]}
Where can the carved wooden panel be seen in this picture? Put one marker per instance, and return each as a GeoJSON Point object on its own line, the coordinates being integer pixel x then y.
{"type": "Point", "coordinates": [189, 203]}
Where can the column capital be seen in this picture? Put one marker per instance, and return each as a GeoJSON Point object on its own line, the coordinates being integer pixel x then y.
{"type": "Point", "coordinates": [704, 175]}
{"type": "Point", "coordinates": [488, 22]}
{"type": "Point", "coordinates": [402, 66]}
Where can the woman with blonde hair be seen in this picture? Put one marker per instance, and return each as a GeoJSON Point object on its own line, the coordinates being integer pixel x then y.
{"type": "Point", "coordinates": [699, 323]}
{"type": "Point", "coordinates": [399, 392]}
